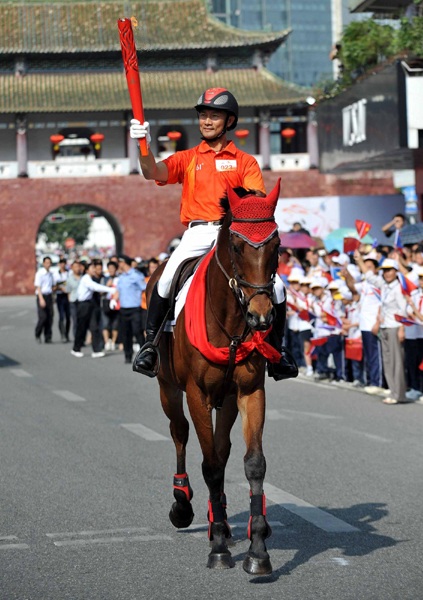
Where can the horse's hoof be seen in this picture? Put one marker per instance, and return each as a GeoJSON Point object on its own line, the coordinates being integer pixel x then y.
{"type": "Point", "coordinates": [257, 566]}
{"type": "Point", "coordinates": [180, 521]}
{"type": "Point", "coordinates": [220, 561]}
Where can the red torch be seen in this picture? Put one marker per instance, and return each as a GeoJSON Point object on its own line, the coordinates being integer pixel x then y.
{"type": "Point", "coordinates": [130, 61]}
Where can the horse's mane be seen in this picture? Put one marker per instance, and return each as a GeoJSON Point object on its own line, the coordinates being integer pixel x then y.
{"type": "Point", "coordinates": [241, 192]}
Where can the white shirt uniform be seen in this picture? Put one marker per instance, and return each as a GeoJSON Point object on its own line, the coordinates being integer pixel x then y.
{"type": "Point", "coordinates": [393, 300]}
{"type": "Point", "coordinates": [352, 313]}
{"type": "Point", "coordinates": [293, 320]}
{"type": "Point", "coordinates": [87, 287]}
{"type": "Point", "coordinates": [60, 278]}
{"type": "Point", "coordinates": [369, 304]}
{"type": "Point", "coordinates": [319, 325]}
{"type": "Point", "coordinates": [304, 303]}
{"type": "Point", "coordinates": [414, 332]}
{"type": "Point", "coordinates": [44, 280]}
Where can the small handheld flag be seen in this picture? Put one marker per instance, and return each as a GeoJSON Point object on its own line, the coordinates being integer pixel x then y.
{"type": "Point", "coordinates": [362, 228]}
{"type": "Point", "coordinates": [407, 286]}
{"type": "Point", "coordinates": [354, 349]}
{"type": "Point", "coordinates": [398, 244]}
{"type": "Point", "coordinates": [333, 320]}
{"type": "Point", "coordinates": [318, 341]}
{"type": "Point", "coordinates": [351, 244]}
{"type": "Point", "coordinates": [377, 292]}
{"type": "Point", "coordinates": [307, 315]}
{"type": "Point", "coordinates": [406, 321]}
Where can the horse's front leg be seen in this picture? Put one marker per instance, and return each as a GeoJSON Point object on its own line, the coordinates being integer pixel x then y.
{"type": "Point", "coordinates": [213, 473]}
{"type": "Point", "coordinates": [252, 409]}
{"type": "Point", "coordinates": [181, 514]}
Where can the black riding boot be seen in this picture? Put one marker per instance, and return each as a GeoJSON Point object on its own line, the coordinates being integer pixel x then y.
{"type": "Point", "coordinates": [287, 367]}
{"type": "Point", "coordinates": [146, 358]}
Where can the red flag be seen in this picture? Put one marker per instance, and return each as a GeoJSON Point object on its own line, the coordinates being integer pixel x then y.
{"type": "Point", "coordinates": [351, 244]}
{"type": "Point", "coordinates": [318, 341]}
{"type": "Point", "coordinates": [333, 320]}
{"type": "Point", "coordinates": [354, 349]}
{"type": "Point", "coordinates": [421, 366]}
{"type": "Point", "coordinates": [362, 228]}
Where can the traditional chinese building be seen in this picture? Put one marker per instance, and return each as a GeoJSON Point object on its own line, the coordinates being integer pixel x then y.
{"type": "Point", "coordinates": [62, 75]}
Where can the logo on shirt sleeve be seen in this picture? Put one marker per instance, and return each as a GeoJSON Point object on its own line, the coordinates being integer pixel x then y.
{"type": "Point", "coordinates": [226, 165]}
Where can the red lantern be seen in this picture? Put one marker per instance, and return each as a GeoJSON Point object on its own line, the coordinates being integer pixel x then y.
{"type": "Point", "coordinates": [174, 136]}
{"type": "Point", "coordinates": [56, 139]}
{"type": "Point", "coordinates": [97, 138]}
{"type": "Point", "coordinates": [288, 134]}
{"type": "Point", "coordinates": [242, 135]}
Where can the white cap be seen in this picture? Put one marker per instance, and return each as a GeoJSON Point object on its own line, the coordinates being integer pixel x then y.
{"type": "Point", "coordinates": [319, 282]}
{"type": "Point", "coordinates": [419, 271]}
{"type": "Point", "coordinates": [305, 280]}
{"type": "Point", "coordinates": [295, 275]}
{"type": "Point", "coordinates": [389, 263]}
{"type": "Point", "coordinates": [163, 256]}
{"type": "Point", "coordinates": [346, 293]}
{"type": "Point", "coordinates": [342, 259]}
{"type": "Point", "coordinates": [371, 256]}
{"type": "Point", "coordinates": [334, 285]}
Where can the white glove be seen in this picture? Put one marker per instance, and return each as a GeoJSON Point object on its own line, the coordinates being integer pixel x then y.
{"type": "Point", "coordinates": [113, 304]}
{"type": "Point", "coordinates": [139, 132]}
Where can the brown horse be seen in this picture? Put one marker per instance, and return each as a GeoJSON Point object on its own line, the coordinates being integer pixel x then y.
{"type": "Point", "coordinates": [231, 310]}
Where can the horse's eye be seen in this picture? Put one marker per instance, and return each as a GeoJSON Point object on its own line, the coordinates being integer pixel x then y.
{"type": "Point", "coordinates": [236, 250]}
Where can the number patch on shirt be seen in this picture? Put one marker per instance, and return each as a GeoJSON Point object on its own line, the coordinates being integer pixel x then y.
{"type": "Point", "coordinates": [226, 165]}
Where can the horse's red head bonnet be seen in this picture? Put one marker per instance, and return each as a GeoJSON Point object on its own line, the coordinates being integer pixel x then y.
{"type": "Point", "coordinates": [253, 217]}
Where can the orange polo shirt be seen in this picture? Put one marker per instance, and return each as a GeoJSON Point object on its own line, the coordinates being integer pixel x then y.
{"type": "Point", "coordinates": [204, 173]}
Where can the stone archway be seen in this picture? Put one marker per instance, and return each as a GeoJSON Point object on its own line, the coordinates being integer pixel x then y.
{"type": "Point", "coordinates": [110, 218]}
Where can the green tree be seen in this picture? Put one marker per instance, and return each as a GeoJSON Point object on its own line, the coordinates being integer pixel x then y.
{"type": "Point", "coordinates": [78, 229]}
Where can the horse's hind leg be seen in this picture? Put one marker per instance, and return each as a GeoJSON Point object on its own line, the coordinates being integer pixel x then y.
{"type": "Point", "coordinates": [252, 408]}
{"type": "Point", "coordinates": [213, 473]}
{"type": "Point", "coordinates": [181, 513]}
{"type": "Point", "coordinates": [225, 418]}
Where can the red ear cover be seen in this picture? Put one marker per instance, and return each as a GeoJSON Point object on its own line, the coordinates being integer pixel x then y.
{"type": "Point", "coordinates": [273, 197]}
{"type": "Point", "coordinates": [234, 199]}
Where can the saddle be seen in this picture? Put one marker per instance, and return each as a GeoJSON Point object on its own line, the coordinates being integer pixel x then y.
{"type": "Point", "coordinates": [182, 274]}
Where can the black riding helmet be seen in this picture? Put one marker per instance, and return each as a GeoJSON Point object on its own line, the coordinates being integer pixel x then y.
{"type": "Point", "coordinates": [221, 99]}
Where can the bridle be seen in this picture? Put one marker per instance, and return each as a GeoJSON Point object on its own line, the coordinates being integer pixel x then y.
{"type": "Point", "coordinates": [236, 283]}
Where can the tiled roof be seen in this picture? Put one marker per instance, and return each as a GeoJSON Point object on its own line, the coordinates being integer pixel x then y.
{"type": "Point", "coordinates": [60, 92]}
{"type": "Point", "coordinates": [72, 26]}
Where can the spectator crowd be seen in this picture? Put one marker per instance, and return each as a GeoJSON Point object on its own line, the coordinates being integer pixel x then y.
{"type": "Point", "coordinates": [353, 318]}
{"type": "Point", "coordinates": [102, 305]}
{"type": "Point", "coordinates": [357, 318]}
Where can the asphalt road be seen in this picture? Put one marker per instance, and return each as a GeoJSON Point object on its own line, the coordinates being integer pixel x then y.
{"type": "Point", "coordinates": [86, 467]}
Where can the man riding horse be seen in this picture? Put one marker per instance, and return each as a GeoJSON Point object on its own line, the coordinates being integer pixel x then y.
{"type": "Point", "coordinates": [204, 172]}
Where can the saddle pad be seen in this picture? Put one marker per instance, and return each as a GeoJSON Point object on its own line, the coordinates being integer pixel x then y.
{"type": "Point", "coordinates": [179, 304]}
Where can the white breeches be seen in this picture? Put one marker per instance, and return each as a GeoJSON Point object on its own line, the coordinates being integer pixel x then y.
{"type": "Point", "coordinates": [195, 242]}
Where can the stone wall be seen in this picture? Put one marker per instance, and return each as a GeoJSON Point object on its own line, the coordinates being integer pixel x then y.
{"type": "Point", "coordinates": [148, 215]}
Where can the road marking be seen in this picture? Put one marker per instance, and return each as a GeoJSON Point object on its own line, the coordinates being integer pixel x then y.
{"type": "Point", "coordinates": [275, 415]}
{"type": "Point", "coordinates": [310, 414]}
{"type": "Point", "coordinates": [5, 538]}
{"type": "Point", "coordinates": [369, 436]}
{"type": "Point", "coordinates": [115, 540]}
{"type": "Point", "coordinates": [340, 561]}
{"type": "Point", "coordinates": [14, 546]}
{"type": "Point", "coordinates": [144, 432]}
{"type": "Point", "coordinates": [69, 396]}
{"type": "Point", "coordinates": [306, 511]}
{"type": "Point", "coordinates": [99, 532]}
{"type": "Point", "coordinates": [20, 373]}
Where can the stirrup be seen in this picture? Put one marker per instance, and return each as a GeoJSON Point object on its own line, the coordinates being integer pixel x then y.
{"type": "Point", "coordinates": [288, 368]}
{"type": "Point", "coordinates": [138, 369]}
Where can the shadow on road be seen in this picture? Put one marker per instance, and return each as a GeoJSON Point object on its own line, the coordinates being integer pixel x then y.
{"type": "Point", "coordinates": [6, 361]}
{"type": "Point", "coordinates": [312, 542]}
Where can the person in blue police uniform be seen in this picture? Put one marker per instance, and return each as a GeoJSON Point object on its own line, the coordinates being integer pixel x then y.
{"type": "Point", "coordinates": [130, 287]}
